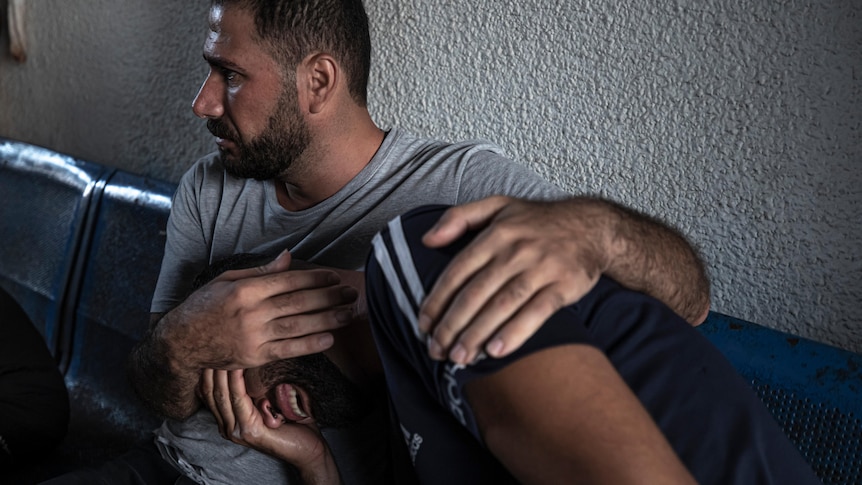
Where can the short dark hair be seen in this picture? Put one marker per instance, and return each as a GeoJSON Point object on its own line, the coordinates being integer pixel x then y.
{"type": "Point", "coordinates": [336, 401]}
{"type": "Point", "coordinates": [293, 29]}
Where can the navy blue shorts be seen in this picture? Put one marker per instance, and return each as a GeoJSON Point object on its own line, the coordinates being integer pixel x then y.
{"type": "Point", "coordinates": [710, 416]}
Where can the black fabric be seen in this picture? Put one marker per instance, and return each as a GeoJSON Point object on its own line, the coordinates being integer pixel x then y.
{"type": "Point", "coordinates": [34, 404]}
{"type": "Point", "coordinates": [142, 465]}
{"type": "Point", "coordinates": [716, 424]}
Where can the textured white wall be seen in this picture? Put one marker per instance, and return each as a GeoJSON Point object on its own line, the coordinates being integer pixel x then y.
{"type": "Point", "coordinates": [738, 121]}
{"type": "Point", "coordinates": [110, 81]}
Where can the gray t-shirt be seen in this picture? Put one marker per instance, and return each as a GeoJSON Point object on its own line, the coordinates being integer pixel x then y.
{"type": "Point", "coordinates": [215, 215]}
{"type": "Point", "coordinates": [196, 450]}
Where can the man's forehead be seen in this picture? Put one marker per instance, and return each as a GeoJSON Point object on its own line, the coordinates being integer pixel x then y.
{"type": "Point", "coordinates": [216, 15]}
{"type": "Point", "coordinates": [231, 18]}
{"type": "Point", "coordinates": [217, 34]}
{"type": "Point", "coordinates": [230, 32]}
{"type": "Point", "coordinates": [230, 24]}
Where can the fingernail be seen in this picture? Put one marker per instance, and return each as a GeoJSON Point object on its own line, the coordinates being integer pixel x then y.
{"type": "Point", "coordinates": [458, 354]}
{"type": "Point", "coordinates": [434, 350]}
{"type": "Point", "coordinates": [494, 347]}
{"type": "Point", "coordinates": [325, 340]}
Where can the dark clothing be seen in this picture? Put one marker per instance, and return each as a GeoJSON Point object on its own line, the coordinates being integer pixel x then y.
{"type": "Point", "coordinates": [34, 404]}
{"type": "Point", "coordinates": [712, 419]}
{"type": "Point", "coordinates": [142, 465]}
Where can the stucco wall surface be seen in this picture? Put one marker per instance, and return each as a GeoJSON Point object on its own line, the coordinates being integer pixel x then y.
{"type": "Point", "coordinates": [737, 121]}
{"type": "Point", "coordinates": [110, 81]}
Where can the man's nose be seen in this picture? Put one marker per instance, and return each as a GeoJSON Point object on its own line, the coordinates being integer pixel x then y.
{"type": "Point", "coordinates": [208, 102]}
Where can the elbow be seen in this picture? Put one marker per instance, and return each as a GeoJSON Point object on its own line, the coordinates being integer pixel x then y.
{"type": "Point", "coordinates": [701, 300]}
{"type": "Point", "coordinates": [700, 310]}
{"type": "Point", "coordinates": [701, 316]}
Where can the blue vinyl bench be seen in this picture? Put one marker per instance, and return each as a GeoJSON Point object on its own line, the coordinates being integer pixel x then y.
{"type": "Point", "coordinates": [115, 276]}
{"type": "Point", "coordinates": [813, 390]}
{"type": "Point", "coordinates": [81, 254]}
{"type": "Point", "coordinates": [82, 250]}
{"type": "Point", "coordinates": [44, 203]}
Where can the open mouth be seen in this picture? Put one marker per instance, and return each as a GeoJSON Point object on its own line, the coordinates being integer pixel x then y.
{"type": "Point", "coordinates": [291, 404]}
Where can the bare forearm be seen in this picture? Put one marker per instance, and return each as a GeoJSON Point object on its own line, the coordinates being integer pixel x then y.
{"type": "Point", "coordinates": [591, 425]}
{"type": "Point", "coordinates": [164, 386]}
{"type": "Point", "coordinates": [314, 462]}
{"type": "Point", "coordinates": [324, 473]}
{"type": "Point", "coordinates": [648, 256]}
{"type": "Point", "coordinates": [241, 319]}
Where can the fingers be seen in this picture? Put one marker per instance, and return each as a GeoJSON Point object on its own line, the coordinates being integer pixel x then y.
{"type": "Point", "coordinates": [252, 320]}
{"type": "Point", "coordinates": [478, 309]}
{"type": "Point", "coordinates": [226, 397]}
{"type": "Point", "coordinates": [240, 421]}
{"type": "Point", "coordinates": [299, 323]}
{"type": "Point", "coordinates": [467, 284]}
{"type": "Point", "coordinates": [484, 262]}
{"type": "Point", "coordinates": [497, 267]}
{"type": "Point", "coordinates": [277, 265]}
{"type": "Point", "coordinates": [500, 288]}
{"type": "Point", "coordinates": [271, 285]}
{"type": "Point", "coordinates": [499, 334]}
{"type": "Point", "coordinates": [207, 394]}
{"type": "Point", "coordinates": [474, 258]}
{"type": "Point", "coordinates": [222, 402]}
{"type": "Point", "coordinates": [272, 297]}
{"type": "Point", "coordinates": [508, 315]}
{"type": "Point", "coordinates": [332, 302]}
{"type": "Point", "coordinates": [295, 347]}
{"type": "Point", "coordinates": [243, 411]}
{"type": "Point", "coordinates": [456, 221]}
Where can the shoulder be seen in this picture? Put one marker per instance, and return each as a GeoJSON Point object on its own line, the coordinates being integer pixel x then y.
{"type": "Point", "coordinates": [468, 170]}
{"type": "Point", "coordinates": [431, 147]}
{"type": "Point", "coordinates": [401, 144]}
{"type": "Point", "coordinates": [206, 170]}
{"type": "Point", "coordinates": [206, 182]}
{"type": "Point", "coordinates": [439, 159]}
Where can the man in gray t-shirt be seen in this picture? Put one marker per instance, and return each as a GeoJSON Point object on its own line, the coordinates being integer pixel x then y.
{"type": "Point", "coordinates": [302, 167]}
{"type": "Point", "coordinates": [215, 214]}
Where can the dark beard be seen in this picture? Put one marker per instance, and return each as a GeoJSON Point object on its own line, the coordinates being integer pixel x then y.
{"type": "Point", "coordinates": [335, 401]}
{"type": "Point", "coordinates": [271, 153]}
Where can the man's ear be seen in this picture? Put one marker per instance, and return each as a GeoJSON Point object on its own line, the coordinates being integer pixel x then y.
{"type": "Point", "coordinates": [317, 78]}
{"type": "Point", "coordinates": [272, 418]}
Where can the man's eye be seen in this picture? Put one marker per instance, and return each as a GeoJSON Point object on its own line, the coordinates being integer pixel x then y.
{"type": "Point", "coordinates": [230, 76]}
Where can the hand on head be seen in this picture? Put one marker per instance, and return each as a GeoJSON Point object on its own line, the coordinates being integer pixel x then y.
{"type": "Point", "coordinates": [253, 423]}
{"type": "Point", "coordinates": [248, 317]}
{"type": "Point", "coordinates": [527, 262]}
{"type": "Point", "coordinates": [277, 408]}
